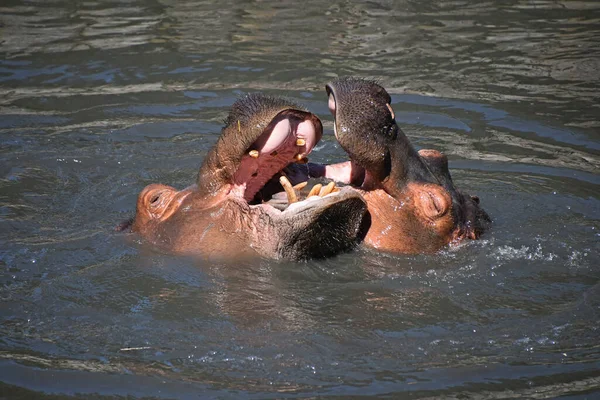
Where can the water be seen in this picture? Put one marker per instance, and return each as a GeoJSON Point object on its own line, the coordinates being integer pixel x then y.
{"type": "Point", "coordinates": [99, 99]}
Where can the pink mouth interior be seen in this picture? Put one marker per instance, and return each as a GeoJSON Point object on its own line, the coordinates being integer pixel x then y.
{"type": "Point", "coordinates": [276, 148]}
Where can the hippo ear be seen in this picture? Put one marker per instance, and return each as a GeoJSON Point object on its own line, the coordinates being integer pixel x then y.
{"type": "Point", "coordinates": [437, 162]}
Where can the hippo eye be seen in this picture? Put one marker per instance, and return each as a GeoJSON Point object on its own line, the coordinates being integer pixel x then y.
{"type": "Point", "coordinates": [155, 199]}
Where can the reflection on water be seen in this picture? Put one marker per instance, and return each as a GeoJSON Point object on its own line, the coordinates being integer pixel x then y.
{"type": "Point", "coordinates": [99, 99]}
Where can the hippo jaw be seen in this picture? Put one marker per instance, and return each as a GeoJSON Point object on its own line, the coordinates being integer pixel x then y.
{"type": "Point", "coordinates": [380, 153]}
{"type": "Point", "coordinates": [316, 227]}
{"type": "Point", "coordinates": [412, 188]}
{"type": "Point", "coordinates": [231, 201]}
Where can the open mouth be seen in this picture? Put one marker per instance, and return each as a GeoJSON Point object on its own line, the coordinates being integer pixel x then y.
{"type": "Point", "coordinates": [281, 194]}
{"type": "Point", "coordinates": [273, 172]}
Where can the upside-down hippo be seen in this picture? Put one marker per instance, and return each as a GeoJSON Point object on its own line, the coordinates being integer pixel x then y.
{"type": "Point", "coordinates": [413, 204]}
{"type": "Point", "coordinates": [226, 213]}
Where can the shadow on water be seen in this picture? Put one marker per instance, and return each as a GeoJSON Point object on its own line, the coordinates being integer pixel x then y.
{"type": "Point", "coordinates": [100, 99]}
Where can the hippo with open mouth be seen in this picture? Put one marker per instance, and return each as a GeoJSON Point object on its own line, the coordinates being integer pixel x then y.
{"type": "Point", "coordinates": [234, 209]}
{"type": "Point", "coordinates": [413, 204]}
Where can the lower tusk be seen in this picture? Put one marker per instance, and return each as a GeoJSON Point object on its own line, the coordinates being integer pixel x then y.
{"type": "Point", "coordinates": [315, 190]}
{"type": "Point", "coordinates": [254, 153]}
{"type": "Point", "coordinates": [289, 190]}
{"type": "Point", "coordinates": [327, 189]}
{"type": "Point", "coordinates": [391, 110]}
{"type": "Point", "coordinates": [300, 186]}
{"type": "Point", "coordinates": [300, 142]}
{"type": "Point", "coordinates": [300, 159]}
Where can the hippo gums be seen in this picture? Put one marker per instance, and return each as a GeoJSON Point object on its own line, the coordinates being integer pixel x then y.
{"type": "Point", "coordinates": [234, 209]}
{"type": "Point", "coordinates": [413, 204]}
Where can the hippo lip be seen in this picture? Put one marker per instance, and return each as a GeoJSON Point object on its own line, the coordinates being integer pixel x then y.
{"type": "Point", "coordinates": [358, 172]}
{"type": "Point", "coordinates": [317, 201]}
{"type": "Point", "coordinates": [364, 174]}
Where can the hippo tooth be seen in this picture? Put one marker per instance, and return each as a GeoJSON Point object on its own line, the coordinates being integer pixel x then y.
{"type": "Point", "coordinates": [289, 190]}
{"type": "Point", "coordinates": [391, 110]}
{"type": "Point", "coordinates": [300, 142]}
{"type": "Point", "coordinates": [301, 185]}
{"type": "Point", "coordinates": [325, 190]}
{"type": "Point", "coordinates": [254, 153]}
{"type": "Point", "coordinates": [315, 190]}
{"type": "Point", "coordinates": [300, 159]}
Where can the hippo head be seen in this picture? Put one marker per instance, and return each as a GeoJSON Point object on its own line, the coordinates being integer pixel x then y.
{"type": "Point", "coordinates": [413, 203]}
{"type": "Point", "coordinates": [227, 214]}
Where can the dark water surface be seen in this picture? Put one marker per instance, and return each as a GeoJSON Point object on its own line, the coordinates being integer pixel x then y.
{"type": "Point", "coordinates": [100, 98]}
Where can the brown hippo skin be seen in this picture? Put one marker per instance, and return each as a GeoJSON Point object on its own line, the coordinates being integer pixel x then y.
{"type": "Point", "coordinates": [413, 204]}
{"type": "Point", "coordinates": [222, 215]}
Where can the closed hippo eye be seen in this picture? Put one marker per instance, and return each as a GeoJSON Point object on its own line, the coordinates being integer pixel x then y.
{"type": "Point", "coordinates": [432, 200]}
{"type": "Point", "coordinates": [439, 205]}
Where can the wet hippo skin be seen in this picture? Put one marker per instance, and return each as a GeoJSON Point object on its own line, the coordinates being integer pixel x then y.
{"type": "Point", "coordinates": [229, 213]}
{"type": "Point", "coordinates": [413, 204]}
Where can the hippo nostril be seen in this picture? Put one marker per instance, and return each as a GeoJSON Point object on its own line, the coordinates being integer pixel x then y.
{"type": "Point", "coordinates": [155, 199]}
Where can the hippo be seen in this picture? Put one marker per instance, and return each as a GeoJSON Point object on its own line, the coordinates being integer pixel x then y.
{"type": "Point", "coordinates": [233, 209]}
{"type": "Point", "coordinates": [413, 204]}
